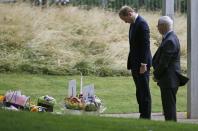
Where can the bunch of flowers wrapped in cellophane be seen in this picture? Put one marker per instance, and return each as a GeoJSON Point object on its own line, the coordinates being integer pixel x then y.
{"type": "Point", "coordinates": [75, 103]}
{"type": "Point", "coordinates": [82, 103]}
{"type": "Point", "coordinates": [86, 101]}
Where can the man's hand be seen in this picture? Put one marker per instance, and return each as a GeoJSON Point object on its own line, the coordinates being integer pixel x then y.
{"type": "Point", "coordinates": [143, 68]}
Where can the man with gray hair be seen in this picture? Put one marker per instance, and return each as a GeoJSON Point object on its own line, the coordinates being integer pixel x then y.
{"type": "Point", "coordinates": [166, 64]}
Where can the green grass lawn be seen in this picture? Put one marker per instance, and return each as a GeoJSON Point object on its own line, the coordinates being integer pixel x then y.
{"type": "Point", "coordinates": [117, 93]}
{"type": "Point", "coordinates": [26, 121]}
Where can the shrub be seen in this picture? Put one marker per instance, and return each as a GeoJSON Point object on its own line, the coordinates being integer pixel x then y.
{"type": "Point", "coordinates": [104, 71]}
{"type": "Point", "coordinates": [83, 67]}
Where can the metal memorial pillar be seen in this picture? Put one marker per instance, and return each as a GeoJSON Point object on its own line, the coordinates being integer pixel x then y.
{"type": "Point", "coordinates": [168, 8]}
{"type": "Point", "coordinates": [192, 59]}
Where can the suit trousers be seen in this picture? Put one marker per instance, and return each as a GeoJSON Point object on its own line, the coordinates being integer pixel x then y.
{"type": "Point", "coordinates": [143, 93]}
{"type": "Point", "coordinates": [168, 96]}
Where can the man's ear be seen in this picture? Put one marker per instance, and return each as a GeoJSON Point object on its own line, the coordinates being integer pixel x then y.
{"type": "Point", "coordinates": [129, 13]}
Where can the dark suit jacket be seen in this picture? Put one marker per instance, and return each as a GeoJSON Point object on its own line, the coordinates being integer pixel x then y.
{"type": "Point", "coordinates": [139, 40]}
{"type": "Point", "coordinates": [166, 63]}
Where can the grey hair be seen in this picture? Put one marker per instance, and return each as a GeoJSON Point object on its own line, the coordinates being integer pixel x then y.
{"type": "Point", "coordinates": [167, 21]}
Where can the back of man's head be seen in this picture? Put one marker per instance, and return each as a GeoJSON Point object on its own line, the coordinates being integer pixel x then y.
{"type": "Point", "coordinates": [125, 10]}
{"type": "Point", "coordinates": [166, 20]}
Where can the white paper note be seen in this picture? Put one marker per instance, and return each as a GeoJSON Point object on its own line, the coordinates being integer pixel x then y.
{"type": "Point", "coordinates": [72, 88]}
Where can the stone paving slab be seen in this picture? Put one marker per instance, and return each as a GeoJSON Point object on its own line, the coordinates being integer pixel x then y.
{"type": "Point", "coordinates": [181, 117]}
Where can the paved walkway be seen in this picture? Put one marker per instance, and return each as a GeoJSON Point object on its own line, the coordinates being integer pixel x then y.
{"type": "Point", "coordinates": [181, 117]}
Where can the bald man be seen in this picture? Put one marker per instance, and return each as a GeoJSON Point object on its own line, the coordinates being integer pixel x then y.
{"type": "Point", "coordinates": [166, 64]}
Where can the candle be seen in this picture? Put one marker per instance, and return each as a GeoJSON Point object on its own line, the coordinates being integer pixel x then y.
{"type": "Point", "coordinates": [81, 83]}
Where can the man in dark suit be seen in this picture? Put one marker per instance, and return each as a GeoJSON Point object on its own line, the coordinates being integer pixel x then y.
{"type": "Point", "coordinates": [139, 58]}
{"type": "Point", "coordinates": [166, 64]}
